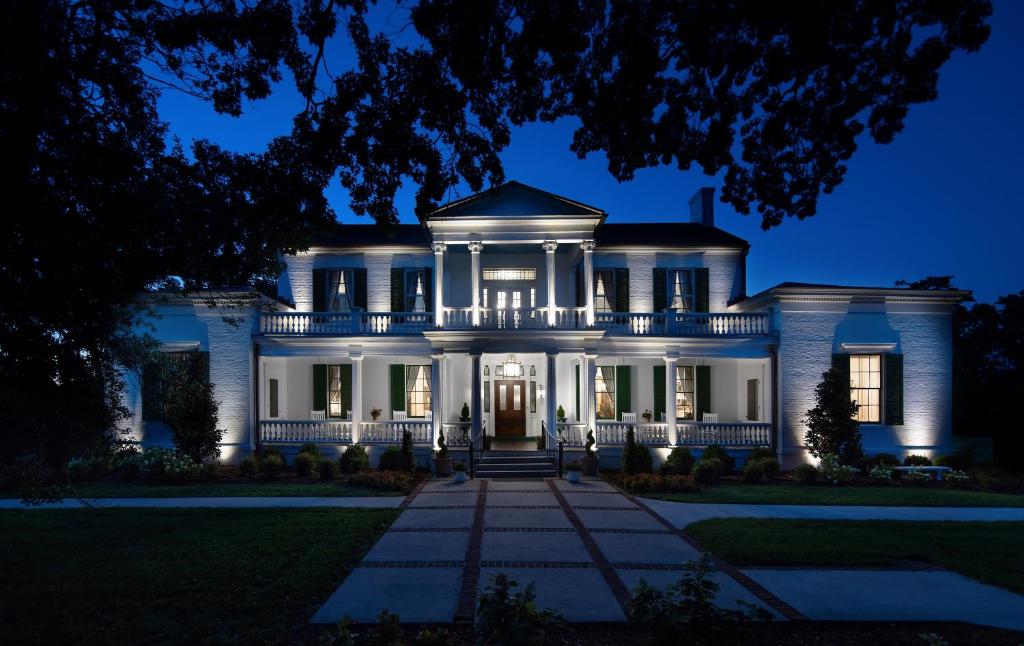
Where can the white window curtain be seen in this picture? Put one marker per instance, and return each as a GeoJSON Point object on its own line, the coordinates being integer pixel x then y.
{"type": "Point", "coordinates": [339, 290]}
{"type": "Point", "coordinates": [418, 390]}
{"type": "Point", "coordinates": [415, 291]}
{"type": "Point", "coordinates": [604, 291]}
{"type": "Point", "coordinates": [681, 290]}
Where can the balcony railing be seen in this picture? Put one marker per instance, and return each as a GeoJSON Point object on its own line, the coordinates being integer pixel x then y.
{"type": "Point", "coordinates": [732, 434]}
{"type": "Point", "coordinates": [461, 318]}
{"type": "Point", "coordinates": [300, 431]}
{"type": "Point", "coordinates": [390, 432]}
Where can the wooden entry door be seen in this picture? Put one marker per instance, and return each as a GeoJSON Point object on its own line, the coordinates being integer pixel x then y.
{"type": "Point", "coordinates": [509, 408]}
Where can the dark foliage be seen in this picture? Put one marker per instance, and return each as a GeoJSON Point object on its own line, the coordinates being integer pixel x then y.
{"type": "Point", "coordinates": [708, 471]}
{"type": "Point", "coordinates": [354, 459]}
{"type": "Point", "coordinates": [831, 427]}
{"type": "Point", "coordinates": [716, 452]}
{"type": "Point", "coordinates": [679, 462]}
{"type": "Point", "coordinates": [408, 460]}
{"type": "Point", "coordinates": [391, 460]}
{"type": "Point", "coordinates": [636, 458]}
{"type": "Point", "coordinates": [508, 618]}
{"type": "Point", "coordinates": [806, 473]}
{"type": "Point", "coordinates": [917, 461]}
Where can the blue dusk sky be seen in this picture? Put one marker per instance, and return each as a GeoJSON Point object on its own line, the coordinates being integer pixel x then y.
{"type": "Point", "coordinates": [944, 198]}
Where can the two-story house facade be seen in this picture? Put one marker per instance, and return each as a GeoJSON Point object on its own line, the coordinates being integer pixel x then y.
{"type": "Point", "coordinates": [545, 321]}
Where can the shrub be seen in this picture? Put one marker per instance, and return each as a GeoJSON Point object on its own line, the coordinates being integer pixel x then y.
{"type": "Point", "coordinates": [835, 472]}
{"type": "Point", "coordinates": [685, 612]}
{"type": "Point", "coordinates": [166, 465]}
{"type": "Point", "coordinates": [770, 466]}
{"type": "Point", "coordinates": [459, 466]}
{"type": "Point", "coordinates": [883, 458]}
{"type": "Point", "coordinates": [271, 465]}
{"type": "Point", "coordinates": [247, 467]}
{"type": "Point", "coordinates": [270, 450]}
{"type": "Point", "coordinates": [916, 461]}
{"type": "Point", "coordinates": [831, 427]}
{"type": "Point", "coordinates": [88, 467]}
{"type": "Point", "coordinates": [960, 460]}
{"type": "Point", "coordinates": [636, 458]}
{"type": "Point", "coordinates": [716, 452]}
{"type": "Point", "coordinates": [127, 461]}
{"type": "Point", "coordinates": [761, 452]}
{"type": "Point", "coordinates": [310, 448]}
{"type": "Point", "coordinates": [754, 472]}
{"type": "Point", "coordinates": [917, 476]}
{"type": "Point", "coordinates": [354, 459]}
{"type": "Point", "coordinates": [881, 471]}
{"type": "Point", "coordinates": [381, 480]}
{"type": "Point", "coordinates": [956, 477]}
{"type": "Point", "coordinates": [391, 459]}
{"type": "Point", "coordinates": [806, 473]}
{"type": "Point", "coordinates": [708, 471]}
{"type": "Point", "coordinates": [679, 461]}
{"type": "Point", "coordinates": [327, 469]}
{"type": "Point", "coordinates": [507, 617]}
{"type": "Point", "coordinates": [303, 464]}
{"type": "Point", "coordinates": [408, 460]}
{"type": "Point", "coordinates": [192, 413]}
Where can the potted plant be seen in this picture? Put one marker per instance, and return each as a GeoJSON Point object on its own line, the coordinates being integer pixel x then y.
{"type": "Point", "coordinates": [442, 463]}
{"type": "Point", "coordinates": [460, 472]}
{"type": "Point", "coordinates": [648, 416]}
{"type": "Point", "coordinates": [590, 462]}
{"type": "Point", "coordinates": [572, 472]}
{"type": "Point", "coordinates": [375, 413]}
{"type": "Point", "coordinates": [560, 415]}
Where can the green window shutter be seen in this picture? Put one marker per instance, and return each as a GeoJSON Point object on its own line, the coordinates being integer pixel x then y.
{"type": "Point", "coordinates": [319, 290]}
{"type": "Point", "coordinates": [703, 391]}
{"type": "Point", "coordinates": [359, 297]}
{"type": "Point", "coordinates": [320, 387]}
{"type": "Point", "coordinates": [660, 283]}
{"type": "Point", "coordinates": [397, 289]}
{"type": "Point", "coordinates": [397, 386]}
{"type": "Point", "coordinates": [428, 288]}
{"type": "Point", "coordinates": [577, 392]}
{"type": "Point", "coordinates": [346, 388]}
{"type": "Point", "coordinates": [702, 293]}
{"type": "Point", "coordinates": [621, 290]}
{"type": "Point", "coordinates": [893, 387]}
{"type": "Point", "coordinates": [659, 392]}
{"type": "Point", "coordinates": [841, 364]}
{"type": "Point", "coordinates": [623, 390]}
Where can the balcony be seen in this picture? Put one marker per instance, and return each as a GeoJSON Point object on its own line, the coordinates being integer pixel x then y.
{"type": "Point", "coordinates": [566, 318]}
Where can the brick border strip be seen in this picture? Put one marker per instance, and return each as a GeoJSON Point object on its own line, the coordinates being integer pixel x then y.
{"type": "Point", "coordinates": [618, 588]}
{"type": "Point", "coordinates": [466, 610]}
{"type": "Point", "coordinates": [755, 588]}
{"type": "Point", "coordinates": [417, 490]}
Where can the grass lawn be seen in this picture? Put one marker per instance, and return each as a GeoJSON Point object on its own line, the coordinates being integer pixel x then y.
{"type": "Point", "coordinates": [989, 552]}
{"type": "Point", "coordinates": [243, 489]}
{"type": "Point", "coordinates": [174, 575]}
{"type": "Point", "coordinates": [794, 494]}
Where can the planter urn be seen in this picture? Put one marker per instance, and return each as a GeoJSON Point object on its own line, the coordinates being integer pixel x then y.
{"type": "Point", "coordinates": [572, 476]}
{"type": "Point", "coordinates": [442, 466]}
{"type": "Point", "coordinates": [590, 465]}
{"type": "Point", "coordinates": [460, 476]}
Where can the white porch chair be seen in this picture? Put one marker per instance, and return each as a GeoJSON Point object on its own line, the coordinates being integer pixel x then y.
{"type": "Point", "coordinates": [629, 418]}
{"type": "Point", "coordinates": [318, 415]}
{"type": "Point", "coordinates": [428, 415]}
{"type": "Point", "coordinates": [348, 415]}
{"type": "Point", "coordinates": [399, 416]}
{"type": "Point", "coordinates": [710, 417]}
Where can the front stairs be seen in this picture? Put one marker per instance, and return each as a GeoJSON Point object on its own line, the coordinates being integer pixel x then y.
{"type": "Point", "coordinates": [515, 464]}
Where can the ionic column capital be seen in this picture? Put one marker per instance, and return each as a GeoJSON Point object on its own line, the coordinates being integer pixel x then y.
{"type": "Point", "coordinates": [587, 245]}
{"type": "Point", "coordinates": [475, 246]}
{"type": "Point", "coordinates": [439, 247]}
{"type": "Point", "coordinates": [549, 246]}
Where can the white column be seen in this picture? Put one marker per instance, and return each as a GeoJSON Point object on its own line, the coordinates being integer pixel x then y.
{"type": "Point", "coordinates": [590, 394]}
{"type": "Point", "coordinates": [357, 395]}
{"type": "Point", "coordinates": [437, 393]}
{"type": "Point", "coordinates": [588, 278]}
{"type": "Point", "coordinates": [475, 407]}
{"type": "Point", "coordinates": [670, 399]}
{"type": "Point", "coordinates": [474, 252]}
{"type": "Point", "coordinates": [439, 249]}
{"type": "Point", "coordinates": [549, 247]}
{"type": "Point", "coordinates": [551, 392]}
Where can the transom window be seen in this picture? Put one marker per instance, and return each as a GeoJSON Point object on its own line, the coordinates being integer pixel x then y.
{"type": "Point", "coordinates": [510, 273]}
{"type": "Point", "coordinates": [866, 386]}
{"type": "Point", "coordinates": [684, 392]}
{"type": "Point", "coordinates": [605, 389]}
{"type": "Point", "coordinates": [417, 390]}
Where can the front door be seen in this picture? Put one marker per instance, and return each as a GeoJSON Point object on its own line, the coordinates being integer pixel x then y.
{"type": "Point", "coordinates": [510, 408]}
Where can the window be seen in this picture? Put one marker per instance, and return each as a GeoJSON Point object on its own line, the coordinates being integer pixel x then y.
{"type": "Point", "coordinates": [501, 301]}
{"type": "Point", "coordinates": [680, 290]}
{"type": "Point", "coordinates": [484, 298]}
{"type": "Point", "coordinates": [510, 273]}
{"type": "Point", "coordinates": [272, 387]}
{"type": "Point", "coordinates": [415, 286]}
{"type": "Point", "coordinates": [605, 390]}
{"type": "Point", "coordinates": [417, 390]}
{"type": "Point", "coordinates": [866, 386]}
{"type": "Point", "coordinates": [487, 396]}
{"type": "Point", "coordinates": [604, 290]}
{"type": "Point", "coordinates": [533, 396]}
{"type": "Point", "coordinates": [517, 300]}
{"type": "Point", "coordinates": [684, 392]}
{"type": "Point", "coordinates": [334, 392]}
{"type": "Point", "coordinates": [339, 290]}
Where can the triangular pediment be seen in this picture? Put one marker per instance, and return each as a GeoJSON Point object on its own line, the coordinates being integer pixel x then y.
{"type": "Point", "coordinates": [514, 199]}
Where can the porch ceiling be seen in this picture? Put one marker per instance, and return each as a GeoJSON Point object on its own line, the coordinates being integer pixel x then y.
{"type": "Point", "coordinates": [539, 340]}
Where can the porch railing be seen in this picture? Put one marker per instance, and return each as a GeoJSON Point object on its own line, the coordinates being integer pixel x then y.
{"type": "Point", "coordinates": [655, 434]}
{"type": "Point", "coordinates": [390, 432]}
{"type": "Point", "coordinates": [453, 434]}
{"type": "Point", "coordinates": [299, 431]}
{"type": "Point", "coordinates": [573, 433]}
{"type": "Point", "coordinates": [343, 323]}
{"type": "Point", "coordinates": [724, 433]}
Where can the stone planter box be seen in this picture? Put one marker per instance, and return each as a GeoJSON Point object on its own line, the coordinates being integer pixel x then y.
{"type": "Point", "coordinates": [590, 465]}
{"type": "Point", "coordinates": [442, 467]}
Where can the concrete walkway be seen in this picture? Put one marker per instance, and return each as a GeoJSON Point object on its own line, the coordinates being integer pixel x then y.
{"type": "Point", "coordinates": [681, 514]}
{"type": "Point", "coordinates": [238, 502]}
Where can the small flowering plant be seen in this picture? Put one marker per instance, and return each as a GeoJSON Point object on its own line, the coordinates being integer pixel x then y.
{"type": "Point", "coordinates": [917, 475]}
{"type": "Point", "coordinates": [881, 472]}
{"type": "Point", "coordinates": [833, 470]}
{"type": "Point", "coordinates": [956, 477]}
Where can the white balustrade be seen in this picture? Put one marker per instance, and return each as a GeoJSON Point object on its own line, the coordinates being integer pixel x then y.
{"type": "Point", "coordinates": [572, 433]}
{"type": "Point", "coordinates": [390, 432]}
{"type": "Point", "coordinates": [642, 324]}
{"type": "Point", "coordinates": [294, 431]}
{"type": "Point", "coordinates": [718, 324]}
{"type": "Point", "coordinates": [724, 433]}
{"type": "Point", "coordinates": [655, 434]}
{"type": "Point", "coordinates": [453, 435]}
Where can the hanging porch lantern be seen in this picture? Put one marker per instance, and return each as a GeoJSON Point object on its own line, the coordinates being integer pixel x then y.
{"type": "Point", "coordinates": [512, 368]}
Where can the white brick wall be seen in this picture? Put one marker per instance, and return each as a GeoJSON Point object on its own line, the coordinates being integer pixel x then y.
{"type": "Point", "coordinates": [641, 274]}
{"type": "Point", "coordinates": [231, 373]}
{"type": "Point", "coordinates": [299, 275]}
{"type": "Point", "coordinates": [378, 281]}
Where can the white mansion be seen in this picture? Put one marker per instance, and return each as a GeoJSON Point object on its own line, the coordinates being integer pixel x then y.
{"type": "Point", "coordinates": [518, 302]}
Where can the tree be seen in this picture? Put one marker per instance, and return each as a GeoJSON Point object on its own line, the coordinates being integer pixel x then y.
{"type": "Point", "coordinates": [831, 427]}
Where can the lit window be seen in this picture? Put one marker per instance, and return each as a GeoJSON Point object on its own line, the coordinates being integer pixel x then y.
{"type": "Point", "coordinates": [417, 389]}
{"type": "Point", "coordinates": [603, 289]}
{"type": "Point", "coordinates": [681, 290]}
{"type": "Point", "coordinates": [517, 299]}
{"type": "Point", "coordinates": [605, 391]}
{"type": "Point", "coordinates": [485, 297]}
{"type": "Point", "coordinates": [334, 392]}
{"type": "Point", "coordinates": [339, 290]}
{"type": "Point", "coordinates": [415, 297]}
{"type": "Point", "coordinates": [684, 392]}
{"type": "Point", "coordinates": [521, 273]}
{"type": "Point", "coordinates": [866, 386]}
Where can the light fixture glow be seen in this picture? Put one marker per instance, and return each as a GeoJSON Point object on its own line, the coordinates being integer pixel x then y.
{"type": "Point", "coordinates": [512, 367]}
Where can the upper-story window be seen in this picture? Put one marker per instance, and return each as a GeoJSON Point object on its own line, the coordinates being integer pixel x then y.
{"type": "Point", "coordinates": [412, 289]}
{"type": "Point", "coordinates": [611, 290]}
{"type": "Point", "coordinates": [340, 283]}
{"type": "Point", "coordinates": [339, 289]}
{"type": "Point", "coordinates": [681, 290]}
{"type": "Point", "coordinates": [510, 273]}
{"type": "Point", "coordinates": [416, 290]}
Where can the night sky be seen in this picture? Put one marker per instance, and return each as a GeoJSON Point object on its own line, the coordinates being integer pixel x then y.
{"type": "Point", "coordinates": [943, 198]}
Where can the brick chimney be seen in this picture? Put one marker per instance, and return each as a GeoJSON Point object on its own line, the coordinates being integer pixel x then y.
{"type": "Point", "coordinates": [702, 206]}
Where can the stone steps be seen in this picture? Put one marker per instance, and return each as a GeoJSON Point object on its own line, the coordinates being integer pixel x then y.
{"type": "Point", "coordinates": [515, 464]}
